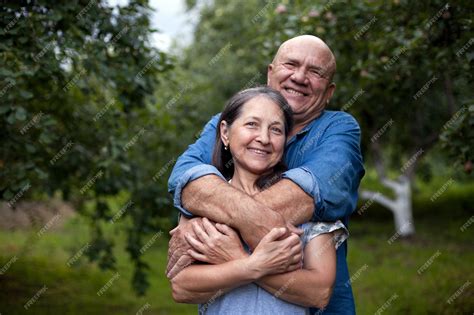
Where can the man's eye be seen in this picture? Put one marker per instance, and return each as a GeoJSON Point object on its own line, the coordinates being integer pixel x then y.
{"type": "Point", "coordinates": [251, 124]}
{"type": "Point", "coordinates": [317, 73]}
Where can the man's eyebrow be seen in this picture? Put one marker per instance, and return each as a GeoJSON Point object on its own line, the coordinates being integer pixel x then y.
{"type": "Point", "coordinates": [291, 60]}
{"type": "Point", "coordinates": [316, 67]}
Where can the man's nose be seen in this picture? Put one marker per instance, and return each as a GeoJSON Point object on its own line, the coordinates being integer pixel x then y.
{"type": "Point", "coordinates": [299, 76]}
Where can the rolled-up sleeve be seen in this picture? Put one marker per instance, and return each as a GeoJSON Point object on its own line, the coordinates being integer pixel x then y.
{"type": "Point", "coordinates": [195, 162]}
{"type": "Point", "coordinates": [330, 170]}
{"type": "Point", "coordinates": [193, 173]}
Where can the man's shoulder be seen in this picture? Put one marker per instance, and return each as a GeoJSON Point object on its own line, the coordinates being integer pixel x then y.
{"type": "Point", "coordinates": [337, 115]}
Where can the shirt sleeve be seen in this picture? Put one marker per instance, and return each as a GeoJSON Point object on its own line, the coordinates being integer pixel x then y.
{"type": "Point", "coordinates": [195, 162]}
{"type": "Point", "coordinates": [311, 230]}
{"type": "Point", "coordinates": [331, 170]}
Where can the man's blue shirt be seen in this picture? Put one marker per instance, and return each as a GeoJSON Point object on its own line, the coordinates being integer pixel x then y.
{"type": "Point", "coordinates": [324, 159]}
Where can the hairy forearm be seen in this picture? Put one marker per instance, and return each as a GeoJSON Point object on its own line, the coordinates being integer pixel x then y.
{"type": "Point", "coordinates": [302, 287]}
{"type": "Point", "coordinates": [199, 283]}
{"type": "Point", "coordinates": [288, 199]}
{"type": "Point", "coordinates": [211, 197]}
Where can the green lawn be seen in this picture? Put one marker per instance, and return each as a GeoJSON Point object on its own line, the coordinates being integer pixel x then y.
{"type": "Point", "coordinates": [385, 276]}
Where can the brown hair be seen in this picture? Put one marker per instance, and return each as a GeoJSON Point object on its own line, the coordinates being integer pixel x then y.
{"type": "Point", "coordinates": [222, 159]}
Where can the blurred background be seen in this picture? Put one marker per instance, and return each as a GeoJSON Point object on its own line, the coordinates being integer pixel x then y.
{"type": "Point", "coordinates": [99, 98]}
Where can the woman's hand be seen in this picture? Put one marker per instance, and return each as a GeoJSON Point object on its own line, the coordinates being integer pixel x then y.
{"type": "Point", "coordinates": [277, 256]}
{"type": "Point", "coordinates": [215, 244]}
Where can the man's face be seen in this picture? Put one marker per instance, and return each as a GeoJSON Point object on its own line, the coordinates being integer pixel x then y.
{"type": "Point", "coordinates": [300, 72]}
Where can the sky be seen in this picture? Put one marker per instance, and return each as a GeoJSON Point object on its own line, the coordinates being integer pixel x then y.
{"type": "Point", "coordinates": [172, 21]}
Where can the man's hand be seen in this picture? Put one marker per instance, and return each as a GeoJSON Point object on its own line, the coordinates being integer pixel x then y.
{"type": "Point", "coordinates": [254, 228]}
{"type": "Point", "coordinates": [178, 257]}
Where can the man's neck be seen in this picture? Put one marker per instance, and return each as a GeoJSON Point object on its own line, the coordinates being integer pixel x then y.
{"type": "Point", "coordinates": [299, 125]}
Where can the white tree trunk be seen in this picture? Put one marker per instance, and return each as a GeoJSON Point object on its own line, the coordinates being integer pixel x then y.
{"type": "Point", "coordinates": [400, 206]}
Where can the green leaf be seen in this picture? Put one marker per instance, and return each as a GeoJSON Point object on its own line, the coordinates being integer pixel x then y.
{"type": "Point", "coordinates": [20, 114]}
{"type": "Point", "coordinates": [25, 94]}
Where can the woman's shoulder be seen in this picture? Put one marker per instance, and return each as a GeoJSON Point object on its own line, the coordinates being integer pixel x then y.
{"type": "Point", "coordinates": [313, 229]}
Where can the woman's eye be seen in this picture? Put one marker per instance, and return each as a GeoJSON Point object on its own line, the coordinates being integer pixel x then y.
{"type": "Point", "coordinates": [251, 124]}
{"type": "Point", "coordinates": [277, 130]}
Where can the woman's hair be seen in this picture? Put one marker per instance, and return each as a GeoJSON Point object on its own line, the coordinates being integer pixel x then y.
{"type": "Point", "coordinates": [222, 159]}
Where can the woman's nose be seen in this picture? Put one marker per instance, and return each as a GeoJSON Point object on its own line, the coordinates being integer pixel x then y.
{"type": "Point", "coordinates": [263, 137]}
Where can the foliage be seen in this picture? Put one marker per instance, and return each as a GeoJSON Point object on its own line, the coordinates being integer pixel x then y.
{"type": "Point", "coordinates": [390, 268]}
{"type": "Point", "coordinates": [76, 81]}
{"type": "Point", "coordinates": [401, 64]}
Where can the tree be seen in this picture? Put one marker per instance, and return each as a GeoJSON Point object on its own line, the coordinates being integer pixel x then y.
{"type": "Point", "coordinates": [76, 82]}
{"type": "Point", "coordinates": [403, 71]}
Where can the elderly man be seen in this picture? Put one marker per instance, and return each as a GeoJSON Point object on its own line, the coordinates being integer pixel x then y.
{"type": "Point", "coordinates": [323, 156]}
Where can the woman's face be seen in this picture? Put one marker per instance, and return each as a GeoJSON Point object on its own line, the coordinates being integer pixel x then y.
{"type": "Point", "coordinates": [257, 137]}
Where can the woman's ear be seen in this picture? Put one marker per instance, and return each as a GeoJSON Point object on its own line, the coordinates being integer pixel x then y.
{"type": "Point", "coordinates": [224, 133]}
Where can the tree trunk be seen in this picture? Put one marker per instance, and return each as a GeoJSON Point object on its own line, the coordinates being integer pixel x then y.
{"type": "Point", "coordinates": [401, 206]}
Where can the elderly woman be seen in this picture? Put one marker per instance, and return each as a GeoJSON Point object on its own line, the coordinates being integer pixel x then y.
{"type": "Point", "coordinates": [249, 147]}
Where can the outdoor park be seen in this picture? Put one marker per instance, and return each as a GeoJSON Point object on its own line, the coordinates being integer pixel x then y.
{"type": "Point", "coordinates": [94, 117]}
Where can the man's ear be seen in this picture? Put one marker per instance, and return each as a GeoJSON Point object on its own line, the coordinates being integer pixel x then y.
{"type": "Point", "coordinates": [330, 91]}
{"type": "Point", "coordinates": [269, 72]}
{"type": "Point", "coordinates": [224, 132]}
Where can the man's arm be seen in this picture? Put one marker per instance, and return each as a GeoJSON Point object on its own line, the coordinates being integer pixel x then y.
{"type": "Point", "coordinates": [329, 169]}
{"type": "Point", "coordinates": [198, 282]}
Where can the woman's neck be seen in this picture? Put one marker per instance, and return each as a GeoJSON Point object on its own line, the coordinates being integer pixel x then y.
{"type": "Point", "coordinates": [245, 181]}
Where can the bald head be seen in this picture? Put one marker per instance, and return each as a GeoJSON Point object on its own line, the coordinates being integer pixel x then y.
{"type": "Point", "coordinates": [316, 45]}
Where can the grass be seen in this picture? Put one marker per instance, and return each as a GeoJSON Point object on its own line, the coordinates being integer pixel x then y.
{"type": "Point", "coordinates": [385, 276]}
{"type": "Point", "coordinates": [74, 290]}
